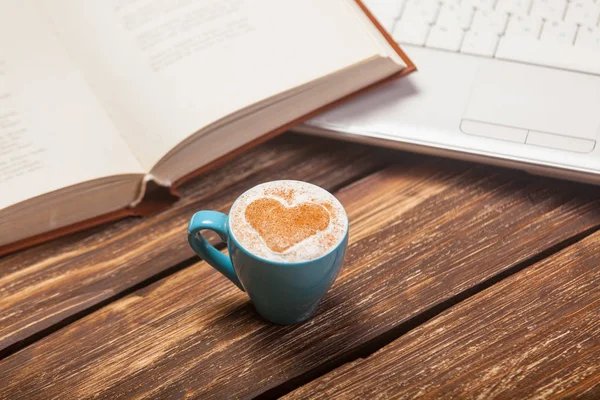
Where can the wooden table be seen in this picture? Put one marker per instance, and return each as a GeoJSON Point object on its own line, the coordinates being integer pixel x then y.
{"type": "Point", "coordinates": [461, 281]}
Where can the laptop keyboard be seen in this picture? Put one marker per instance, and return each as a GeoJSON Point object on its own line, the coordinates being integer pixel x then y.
{"type": "Point", "coordinates": [561, 34]}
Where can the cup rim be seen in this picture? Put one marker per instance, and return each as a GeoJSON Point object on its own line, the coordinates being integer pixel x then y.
{"type": "Point", "coordinates": [284, 263]}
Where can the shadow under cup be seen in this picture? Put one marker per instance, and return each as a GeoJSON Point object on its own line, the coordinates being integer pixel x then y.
{"type": "Point", "coordinates": [282, 292]}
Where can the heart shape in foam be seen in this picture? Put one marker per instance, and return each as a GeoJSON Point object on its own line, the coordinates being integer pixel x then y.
{"type": "Point", "coordinates": [282, 227]}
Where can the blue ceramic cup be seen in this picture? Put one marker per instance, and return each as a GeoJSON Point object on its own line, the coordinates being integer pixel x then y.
{"type": "Point", "coordinates": [282, 292]}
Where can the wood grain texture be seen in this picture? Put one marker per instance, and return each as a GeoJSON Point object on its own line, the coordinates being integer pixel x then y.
{"type": "Point", "coordinates": [49, 283]}
{"type": "Point", "coordinates": [535, 335]}
{"type": "Point", "coordinates": [421, 232]}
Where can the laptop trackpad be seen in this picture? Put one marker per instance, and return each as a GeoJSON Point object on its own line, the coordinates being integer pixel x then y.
{"type": "Point", "coordinates": [549, 105]}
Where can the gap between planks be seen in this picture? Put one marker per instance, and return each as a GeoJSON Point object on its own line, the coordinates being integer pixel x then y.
{"type": "Point", "coordinates": [21, 344]}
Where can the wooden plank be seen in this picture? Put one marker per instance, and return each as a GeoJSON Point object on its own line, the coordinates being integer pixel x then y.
{"type": "Point", "coordinates": [421, 233]}
{"type": "Point", "coordinates": [44, 285]}
{"type": "Point", "coordinates": [534, 335]}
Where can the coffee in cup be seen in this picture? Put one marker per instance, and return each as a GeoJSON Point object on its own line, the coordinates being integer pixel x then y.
{"type": "Point", "coordinates": [288, 221]}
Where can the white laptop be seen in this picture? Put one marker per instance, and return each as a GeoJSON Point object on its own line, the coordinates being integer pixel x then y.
{"type": "Point", "coordinates": [506, 82]}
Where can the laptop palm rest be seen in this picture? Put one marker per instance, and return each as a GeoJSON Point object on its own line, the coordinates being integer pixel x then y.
{"type": "Point", "coordinates": [536, 106]}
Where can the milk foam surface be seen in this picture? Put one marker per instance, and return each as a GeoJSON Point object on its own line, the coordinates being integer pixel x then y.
{"type": "Point", "coordinates": [292, 196]}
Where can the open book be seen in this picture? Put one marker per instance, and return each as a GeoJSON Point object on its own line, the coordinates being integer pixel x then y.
{"type": "Point", "coordinates": [101, 99]}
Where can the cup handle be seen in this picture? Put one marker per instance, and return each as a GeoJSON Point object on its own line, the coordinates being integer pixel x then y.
{"type": "Point", "coordinates": [217, 222]}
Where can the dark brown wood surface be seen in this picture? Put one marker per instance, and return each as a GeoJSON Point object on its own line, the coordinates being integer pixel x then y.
{"type": "Point", "coordinates": [534, 335]}
{"type": "Point", "coordinates": [425, 234]}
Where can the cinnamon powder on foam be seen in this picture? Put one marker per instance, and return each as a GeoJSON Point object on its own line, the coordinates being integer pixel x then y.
{"type": "Point", "coordinates": [282, 227]}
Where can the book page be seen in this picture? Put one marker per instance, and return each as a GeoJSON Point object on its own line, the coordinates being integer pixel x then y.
{"type": "Point", "coordinates": [164, 69]}
{"type": "Point", "coordinates": [53, 132]}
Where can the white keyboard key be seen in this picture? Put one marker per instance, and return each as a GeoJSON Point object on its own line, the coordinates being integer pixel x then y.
{"type": "Point", "coordinates": [421, 10]}
{"type": "Point", "coordinates": [444, 37]}
{"type": "Point", "coordinates": [524, 27]}
{"type": "Point", "coordinates": [553, 10]}
{"type": "Point", "coordinates": [583, 13]}
{"type": "Point", "coordinates": [453, 15]}
{"type": "Point", "coordinates": [563, 56]}
{"type": "Point", "coordinates": [588, 38]}
{"type": "Point", "coordinates": [479, 43]}
{"type": "Point", "coordinates": [515, 7]}
{"type": "Point", "coordinates": [558, 32]}
{"type": "Point", "coordinates": [411, 32]}
{"type": "Point", "coordinates": [386, 11]}
{"type": "Point", "coordinates": [480, 4]}
{"type": "Point", "coordinates": [489, 21]}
